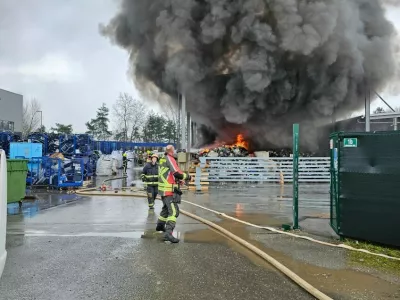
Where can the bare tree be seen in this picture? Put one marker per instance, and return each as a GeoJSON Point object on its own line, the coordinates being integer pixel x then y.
{"type": "Point", "coordinates": [30, 117]}
{"type": "Point", "coordinates": [379, 110]}
{"type": "Point", "coordinates": [122, 111]}
{"type": "Point", "coordinates": [139, 116]}
{"type": "Point", "coordinates": [130, 115]}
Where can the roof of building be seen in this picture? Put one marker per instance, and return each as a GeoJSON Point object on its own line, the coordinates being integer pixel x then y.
{"type": "Point", "coordinates": [10, 92]}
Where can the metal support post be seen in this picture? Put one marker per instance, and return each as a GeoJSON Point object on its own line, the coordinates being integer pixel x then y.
{"type": "Point", "coordinates": [178, 125]}
{"type": "Point", "coordinates": [198, 178]}
{"type": "Point", "coordinates": [189, 132]}
{"type": "Point", "coordinates": [295, 176]}
{"type": "Point", "coordinates": [183, 122]}
{"type": "Point", "coordinates": [194, 134]}
{"type": "Point", "coordinates": [394, 123]}
{"type": "Point", "coordinates": [368, 111]}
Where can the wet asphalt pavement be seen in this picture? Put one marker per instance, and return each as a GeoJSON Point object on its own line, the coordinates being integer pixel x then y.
{"type": "Point", "coordinates": [271, 204]}
{"type": "Point", "coordinates": [72, 247]}
{"type": "Point", "coordinates": [106, 248]}
{"type": "Point", "coordinates": [273, 199]}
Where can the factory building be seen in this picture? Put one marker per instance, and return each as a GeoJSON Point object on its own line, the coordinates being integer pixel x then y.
{"type": "Point", "coordinates": [11, 108]}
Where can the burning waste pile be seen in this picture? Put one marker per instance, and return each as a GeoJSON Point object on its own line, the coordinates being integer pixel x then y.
{"type": "Point", "coordinates": [255, 66]}
{"type": "Point", "coordinates": [224, 151]}
{"type": "Point", "coordinates": [239, 149]}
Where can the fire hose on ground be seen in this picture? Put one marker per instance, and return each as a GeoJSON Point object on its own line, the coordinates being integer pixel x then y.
{"type": "Point", "coordinates": [294, 277]}
{"type": "Point", "coordinates": [87, 193]}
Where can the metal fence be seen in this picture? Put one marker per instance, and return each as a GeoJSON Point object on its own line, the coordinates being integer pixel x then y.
{"type": "Point", "coordinates": [276, 169]}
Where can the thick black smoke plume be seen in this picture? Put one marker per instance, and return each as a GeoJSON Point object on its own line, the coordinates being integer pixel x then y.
{"type": "Point", "coordinates": [257, 66]}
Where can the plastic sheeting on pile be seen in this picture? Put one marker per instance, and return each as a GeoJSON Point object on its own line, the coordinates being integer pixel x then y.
{"type": "Point", "coordinates": [114, 166]}
{"type": "Point", "coordinates": [104, 165]}
{"type": "Point", "coordinates": [131, 157]}
{"type": "Point", "coordinates": [117, 155]}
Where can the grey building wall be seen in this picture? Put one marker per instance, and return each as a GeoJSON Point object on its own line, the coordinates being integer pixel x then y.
{"type": "Point", "coordinates": [11, 107]}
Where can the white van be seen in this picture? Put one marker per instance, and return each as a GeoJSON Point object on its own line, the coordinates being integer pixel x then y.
{"type": "Point", "coordinates": [3, 209]}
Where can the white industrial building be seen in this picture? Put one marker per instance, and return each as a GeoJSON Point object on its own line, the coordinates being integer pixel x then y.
{"type": "Point", "coordinates": [11, 109]}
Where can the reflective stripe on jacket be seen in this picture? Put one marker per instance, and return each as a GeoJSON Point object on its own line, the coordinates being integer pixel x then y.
{"type": "Point", "coordinates": [166, 181]}
{"type": "Point", "coordinates": [150, 174]}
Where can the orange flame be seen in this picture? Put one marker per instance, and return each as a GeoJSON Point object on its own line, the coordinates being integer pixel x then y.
{"type": "Point", "coordinates": [241, 142]}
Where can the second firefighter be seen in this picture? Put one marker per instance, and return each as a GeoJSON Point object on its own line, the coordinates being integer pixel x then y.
{"type": "Point", "coordinates": [150, 178]}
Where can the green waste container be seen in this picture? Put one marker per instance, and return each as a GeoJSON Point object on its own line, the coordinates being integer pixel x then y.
{"type": "Point", "coordinates": [17, 170]}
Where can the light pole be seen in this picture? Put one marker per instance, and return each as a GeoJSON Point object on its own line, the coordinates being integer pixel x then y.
{"type": "Point", "coordinates": [41, 120]}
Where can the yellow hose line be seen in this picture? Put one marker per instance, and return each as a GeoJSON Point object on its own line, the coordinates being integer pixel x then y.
{"type": "Point", "coordinates": [293, 276]}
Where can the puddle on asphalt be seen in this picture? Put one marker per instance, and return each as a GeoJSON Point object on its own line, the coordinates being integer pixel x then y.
{"type": "Point", "coordinates": [30, 208]}
{"type": "Point", "coordinates": [129, 234]}
{"type": "Point", "coordinates": [258, 219]}
{"type": "Point", "coordinates": [343, 282]}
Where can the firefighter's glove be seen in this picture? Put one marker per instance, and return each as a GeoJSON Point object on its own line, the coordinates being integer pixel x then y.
{"type": "Point", "coordinates": [177, 191]}
{"type": "Point", "coordinates": [176, 198]}
{"type": "Point", "coordinates": [187, 177]}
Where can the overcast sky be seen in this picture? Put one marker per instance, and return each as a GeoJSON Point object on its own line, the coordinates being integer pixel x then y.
{"type": "Point", "coordinates": [51, 50]}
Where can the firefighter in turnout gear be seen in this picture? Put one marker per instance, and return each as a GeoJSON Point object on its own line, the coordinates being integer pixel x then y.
{"type": "Point", "coordinates": [125, 162]}
{"type": "Point", "coordinates": [150, 176]}
{"type": "Point", "coordinates": [169, 176]}
{"type": "Point", "coordinates": [149, 156]}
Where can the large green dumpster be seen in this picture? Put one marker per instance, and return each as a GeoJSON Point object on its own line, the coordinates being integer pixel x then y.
{"type": "Point", "coordinates": [17, 170]}
{"type": "Point", "coordinates": [365, 186]}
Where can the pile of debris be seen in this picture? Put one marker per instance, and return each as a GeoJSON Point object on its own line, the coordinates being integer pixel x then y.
{"type": "Point", "coordinates": [238, 151]}
{"type": "Point", "coordinates": [288, 153]}
{"type": "Point", "coordinates": [224, 151]}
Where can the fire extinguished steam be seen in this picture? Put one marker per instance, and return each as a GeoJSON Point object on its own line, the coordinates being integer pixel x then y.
{"type": "Point", "coordinates": [257, 66]}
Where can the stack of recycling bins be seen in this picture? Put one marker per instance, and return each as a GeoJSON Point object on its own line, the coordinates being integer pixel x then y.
{"type": "Point", "coordinates": [59, 170]}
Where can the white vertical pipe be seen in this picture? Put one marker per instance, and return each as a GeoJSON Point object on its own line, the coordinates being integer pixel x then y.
{"type": "Point", "coordinates": [183, 122]}
{"type": "Point", "coordinates": [189, 132]}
